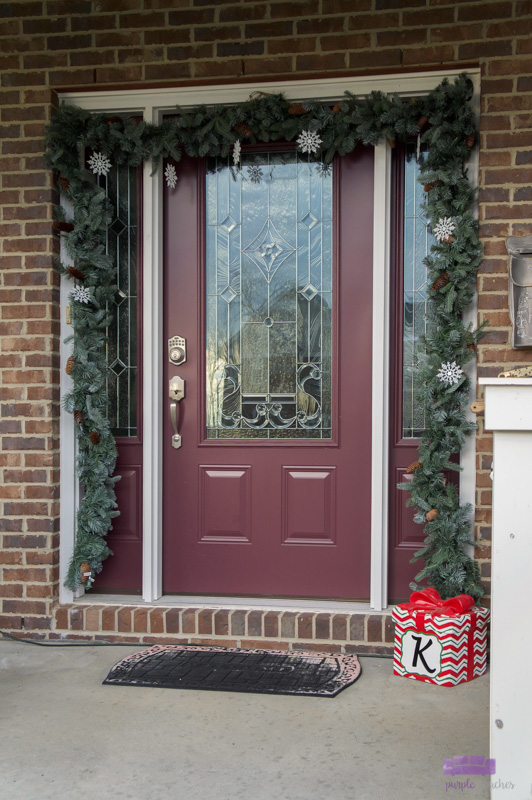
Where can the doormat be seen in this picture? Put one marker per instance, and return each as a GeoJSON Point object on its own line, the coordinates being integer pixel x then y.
{"type": "Point", "coordinates": [227, 669]}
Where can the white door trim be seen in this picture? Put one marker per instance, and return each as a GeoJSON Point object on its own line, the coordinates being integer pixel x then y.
{"type": "Point", "coordinates": [152, 104]}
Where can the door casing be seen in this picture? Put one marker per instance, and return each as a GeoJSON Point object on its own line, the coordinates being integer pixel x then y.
{"type": "Point", "coordinates": [153, 104]}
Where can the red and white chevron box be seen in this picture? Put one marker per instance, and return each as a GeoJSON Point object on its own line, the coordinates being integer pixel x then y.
{"type": "Point", "coordinates": [440, 641]}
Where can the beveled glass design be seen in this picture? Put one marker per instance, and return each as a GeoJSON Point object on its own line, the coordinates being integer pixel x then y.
{"type": "Point", "coordinates": [417, 242]}
{"type": "Point", "coordinates": [269, 297]}
{"type": "Point", "coordinates": [120, 185]}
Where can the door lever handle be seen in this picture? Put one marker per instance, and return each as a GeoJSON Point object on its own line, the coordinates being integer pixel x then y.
{"type": "Point", "coordinates": [177, 392]}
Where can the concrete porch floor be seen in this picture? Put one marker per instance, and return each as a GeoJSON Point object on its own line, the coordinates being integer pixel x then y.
{"type": "Point", "coordinates": [63, 734]}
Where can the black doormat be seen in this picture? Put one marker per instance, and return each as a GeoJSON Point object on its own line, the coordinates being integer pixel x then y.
{"type": "Point", "coordinates": [227, 669]}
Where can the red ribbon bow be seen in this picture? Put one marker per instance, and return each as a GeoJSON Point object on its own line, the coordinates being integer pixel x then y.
{"type": "Point", "coordinates": [429, 600]}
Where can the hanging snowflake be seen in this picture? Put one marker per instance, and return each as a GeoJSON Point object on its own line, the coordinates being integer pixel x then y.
{"type": "Point", "coordinates": [171, 176]}
{"type": "Point", "coordinates": [237, 149]}
{"type": "Point", "coordinates": [99, 164]}
{"type": "Point", "coordinates": [309, 142]}
{"type": "Point", "coordinates": [81, 294]}
{"type": "Point", "coordinates": [450, 373]}
{"type": "Point", "coordinates": [444, 228]}
{"type": "Point", "coordinates": [255, 174]}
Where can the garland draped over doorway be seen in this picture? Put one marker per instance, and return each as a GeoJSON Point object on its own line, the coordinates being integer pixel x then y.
{"type": "Point", "coordinates": [445, 126]}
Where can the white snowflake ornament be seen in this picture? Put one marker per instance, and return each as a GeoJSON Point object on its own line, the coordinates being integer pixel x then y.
{"type": "Point", "coordinates": [237, 149]}
{"type": "Point", "coordinates": [444, 228]}
{"type": "Point", "coordinates": [81, 294]}
{"type": "Point", "coordinates": [99, 164]}
{"type": "Point", "coordinates": [171, 176]}
{"type": "Point", "coordinates": [308, 142]}
{"type": "Point", "coordinates": [450, 373]}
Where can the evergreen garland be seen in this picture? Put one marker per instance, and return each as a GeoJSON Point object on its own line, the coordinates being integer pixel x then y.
{"type": "Point", "coordinates": [445, 123]}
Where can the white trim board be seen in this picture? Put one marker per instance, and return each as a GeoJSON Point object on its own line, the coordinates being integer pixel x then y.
{"type": "Point", "coordinates": [152, 104]}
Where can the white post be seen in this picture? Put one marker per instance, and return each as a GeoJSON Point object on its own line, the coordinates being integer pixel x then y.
{"type": "Point", "coordinates": [509, 414]}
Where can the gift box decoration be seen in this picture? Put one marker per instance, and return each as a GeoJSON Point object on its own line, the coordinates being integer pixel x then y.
{"type": "Point", "coordinates": [440, 641]}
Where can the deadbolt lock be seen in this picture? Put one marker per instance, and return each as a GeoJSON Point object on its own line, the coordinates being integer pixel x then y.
{"type": "Point", "coordinates": [177, 350]}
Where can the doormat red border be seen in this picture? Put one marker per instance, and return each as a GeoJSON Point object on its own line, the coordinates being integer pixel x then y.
{"type": "Point", "coordinates": [183, 666]}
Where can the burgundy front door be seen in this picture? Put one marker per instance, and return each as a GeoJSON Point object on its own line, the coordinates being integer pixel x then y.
{"type": "Point", "coordinates": [268, 277]}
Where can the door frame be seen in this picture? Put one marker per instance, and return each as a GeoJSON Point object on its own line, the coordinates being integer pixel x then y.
{"type": "Point", "coordinates": [153, 104]}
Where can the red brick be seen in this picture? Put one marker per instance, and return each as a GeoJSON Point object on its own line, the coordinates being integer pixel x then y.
{"type": "Point", "coordinates": [166, 71]}
{"type": "Point", "coordinates": [350, 41]}
{"type": "Point", "coordinates": [109, 618]}
{"type": "Point", "coordinates": [144, 20]}
{"type": "Point", "coordinates": [302, 44]}
{"type": "Point", "coordinates": [271, 624]}
{"type": "Point", "coordinates": [304, 626]}
{"type": "Point", "coordinates": [205, 621]}
{"type": "Point", "coordinates": [217, 69]}
{"type": "Point", "coordinates": [92, 619]}
{"type": "Point", "coordinates": [221, 622]}
{"type": "Point", "coordinates": [24, 607]}
{"type": "Point", "coordinates": [375, 58]}
{"type": "Point", "coordinates": [118, 74]}
{"type": "Point", "coordinates": [429, 55]}
{"type": "Point", "coordinates": [238, 623]}
{"type": "Point", "coordinates": [356, 627]}
{"type": "Point", "coordinates": [514, 66]}
{"type": "Point", "coordinates": [172, 621]}
{"type": "Point", "coordinates": [323, 626]}
{"type": "Point", "coordinates": [263, 644]}
{"type": "Point", "coordinates": [429, 17]}
{"type": "Point", "coordinates": [402, 37]}
{"type": "Point", "coordinates": [117, 39]}
{"type": "Point", "coordinates": [157, 621]}
{"type": "Point", "coordinates": [255, 623]}
{"type": "Point", "coordinates": [188, 620]}
{"type": "Point", "coordinates": [456, 33]}
{"type": "Point", "coordinates": [317, 61]}
{"type": "Point", "coordinates": [191, 17]}
{"type": "Point", "coordinates": [484, 11]}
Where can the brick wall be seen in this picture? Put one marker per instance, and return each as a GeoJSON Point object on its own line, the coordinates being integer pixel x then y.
{"type": "Point", "coordinates": [44, 47]}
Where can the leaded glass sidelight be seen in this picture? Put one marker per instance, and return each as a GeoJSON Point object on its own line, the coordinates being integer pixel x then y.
{"type": "Point", "coordinates": [120, 184]}
{"type": "Point", "coordinates": [269, 297]}
{"type": "Point", "coordinates": [417, 241]}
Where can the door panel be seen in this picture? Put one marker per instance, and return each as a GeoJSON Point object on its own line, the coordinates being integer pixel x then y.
{"type": "Point", "coordinates": [266, 496]}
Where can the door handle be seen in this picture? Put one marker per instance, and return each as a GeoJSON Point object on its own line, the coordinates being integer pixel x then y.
{"type": "Point", "coordinates": [177, 392]}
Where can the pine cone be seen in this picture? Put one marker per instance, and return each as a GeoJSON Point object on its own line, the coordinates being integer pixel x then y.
{"type": "Point", "coordinates": [60, 226]}
{"type": "Point", "coordinates": [79, 418]}
{"type": "Point", "coordinates": [422, 122]}
{"type": "Point", "coordinates": [70, 365]}
{"type": "Point", "coordinates": [471, 346]}
{"type": "Point", "coordinates": [413, 466]}
{"type": "Point", "coordinates": [391, 142]}
{"type": "Point", "coordinates": [441, 281]}
{"type": "Point", "coordinates": [94, 437]}
{"type": "Point", "coordinates": [64, 183]}
{"type": "Point", "coordinates": [448, 239]}
{"type": "Point", "coordinates": [336, 108]}
{"type": "Point", "coordinates": [428, 186]}
{"type": "Point", "coordinates": [297, 109]}
{"type": "Point", "coordinates": [85, 569]}
{"type": "Point", "coordinates": [76, 273]}
{"type": "Point", "coordinates": [431, 515]}
{"type": "Point", "coordinates": [244, 130]}
{"type": "Point", "coordinates": [471, 139]}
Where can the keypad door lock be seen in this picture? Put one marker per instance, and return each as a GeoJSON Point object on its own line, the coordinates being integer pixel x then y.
{"type": "Point", "coordinates": [177, 350]}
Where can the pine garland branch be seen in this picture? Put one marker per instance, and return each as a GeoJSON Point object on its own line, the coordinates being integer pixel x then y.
{"type": "Point", "coordinates": [445, 124]}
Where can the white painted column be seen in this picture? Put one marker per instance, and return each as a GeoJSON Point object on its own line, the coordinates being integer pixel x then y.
{"type": "Point", "coordinates": [509, 415]}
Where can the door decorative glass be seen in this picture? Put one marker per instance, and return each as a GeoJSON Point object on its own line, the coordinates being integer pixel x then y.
{"type": "Point", "coordinates": [269, 297]}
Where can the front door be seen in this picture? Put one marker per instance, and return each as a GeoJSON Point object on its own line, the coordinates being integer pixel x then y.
{"type": "Point", "coordinates": [268, 278]}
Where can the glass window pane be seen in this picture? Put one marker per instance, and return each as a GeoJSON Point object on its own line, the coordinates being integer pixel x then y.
{"type": "Point", "coordinates": [269, 297]}
{"type": "Point", "coordinates": [417, 242]}
{"type": "Point", "coordinates": [120, 185]}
